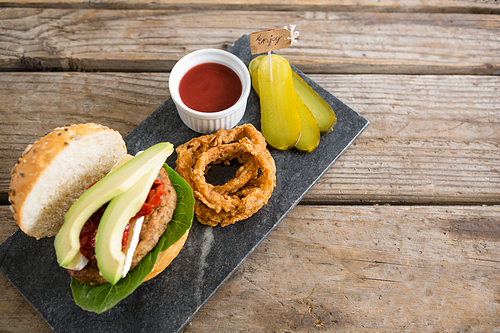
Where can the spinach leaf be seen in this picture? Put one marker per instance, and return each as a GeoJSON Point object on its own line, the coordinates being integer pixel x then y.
{"type": "Point", "coordinates": [101, 298]}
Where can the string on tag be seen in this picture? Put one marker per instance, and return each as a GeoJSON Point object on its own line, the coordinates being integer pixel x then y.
{"type": "Point", "coordinates": [293, 34]}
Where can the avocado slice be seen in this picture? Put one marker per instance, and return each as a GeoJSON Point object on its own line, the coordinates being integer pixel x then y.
{"type": "Point", "coordinates": [108, 241]}
{"type": "Point", "coordinates": [67, 241]}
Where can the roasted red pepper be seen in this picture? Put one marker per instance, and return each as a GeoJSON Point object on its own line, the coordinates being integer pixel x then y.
{"type": "Point", "coordinates": [87, 235]}
{"type": "Point", "coordinates": [153, 200]}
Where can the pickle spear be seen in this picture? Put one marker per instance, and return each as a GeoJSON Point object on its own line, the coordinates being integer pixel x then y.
{"type": "Point", "coordinates": [254, 73]}
{"type": "Point", "coordinates": [254, 64]}
{"type": "Point", "coordinates": [280, 121]}
{"type": "Point", "coordinates": [320, 109]}
{"type": "Point", "coordinates": [310, 135]}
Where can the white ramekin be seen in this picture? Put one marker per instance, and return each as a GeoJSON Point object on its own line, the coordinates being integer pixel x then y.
{"type": "Point", "coordinates": [210, 122]}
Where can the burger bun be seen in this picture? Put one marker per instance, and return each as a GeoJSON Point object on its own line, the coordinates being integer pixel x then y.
{"type": "Point", "coordinates": [53, 173]}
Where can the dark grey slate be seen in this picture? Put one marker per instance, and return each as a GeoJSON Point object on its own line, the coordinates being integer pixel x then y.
{"type": "Point", "coordinates": [210, 255]}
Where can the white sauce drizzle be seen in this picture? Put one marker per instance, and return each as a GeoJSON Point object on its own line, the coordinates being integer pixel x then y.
{"type": "Point", "coordinates": [79, 262]}
{"type": "Point", "coordinates": [134, 233]}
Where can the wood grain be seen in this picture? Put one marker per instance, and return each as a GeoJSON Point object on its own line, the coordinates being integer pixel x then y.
{"type": "Point", "coordinates": [400, 235]}
{"type": "Point", "coordinates": [455, 6]}
{"type": "Point", "coordinates": [33, 104]}
{"type": "Point", "coordinates": [366, 269]}
{"type": "Point", "coordinates": [330, 42]}
{"type": "Point", "coordinates": [349, 268]}
{"type": "Point", "coordinates": [431, 139]}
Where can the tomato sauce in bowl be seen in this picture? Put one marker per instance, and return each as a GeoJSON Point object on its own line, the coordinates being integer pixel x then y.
{"type": "Point", "coordinates": [215, 89]}
{"type": "Point", "coordinates": [210, 87]}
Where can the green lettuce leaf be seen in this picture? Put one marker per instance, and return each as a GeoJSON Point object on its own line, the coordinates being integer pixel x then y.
{"type": "Point", "coordinates": [102, 298]}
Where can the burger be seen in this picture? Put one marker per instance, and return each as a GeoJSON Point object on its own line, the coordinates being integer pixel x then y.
{"type": "Point", "coordinates": [118, 220]}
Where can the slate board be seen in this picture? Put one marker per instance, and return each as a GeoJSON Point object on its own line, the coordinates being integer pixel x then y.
{"type": "Point", "coordinates": [210, 255]}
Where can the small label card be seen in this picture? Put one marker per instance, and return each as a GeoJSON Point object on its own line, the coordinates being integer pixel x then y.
{"type": "Point", "coordinates": [270, 40]}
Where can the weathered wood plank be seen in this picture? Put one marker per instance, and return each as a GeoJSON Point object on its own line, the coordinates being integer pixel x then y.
{"type": "Point", "coordinates": [366, 269]}
{"type": "Point", "coordinates": [412, 171]}
{"type": "Point", "coordinates": [455, 6]}
{"type": "Point", "coordinates": [330, 42]}
{"type": "Point", "coordinates": [349, 268]}
{"type": "Point", "coordinates": [432, 139]}
{"type": "Point", "coordinates": [35, 103]}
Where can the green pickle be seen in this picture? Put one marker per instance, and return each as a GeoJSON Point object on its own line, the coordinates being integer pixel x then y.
{"type": "Point", "coordinates": [280, 120]}
{"type": "Point", "coordinates": [310, 135]}
{"type": "Point", "coordinates": [319, 108]}
{"type": "Point", "coordinates": [254, 64]}
{"type": "Point", "coordinates": [254, 73]}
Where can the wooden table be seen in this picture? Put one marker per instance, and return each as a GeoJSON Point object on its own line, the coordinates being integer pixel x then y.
{"type": "Point", "coordinates": [401, 234]}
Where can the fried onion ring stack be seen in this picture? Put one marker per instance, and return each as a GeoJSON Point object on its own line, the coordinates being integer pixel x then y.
{"type": "Point", "coordinates": [243, 195]}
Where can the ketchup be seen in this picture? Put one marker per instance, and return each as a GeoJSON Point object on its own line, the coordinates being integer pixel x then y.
{"type": "Point", "coordinates": [89, 230]}
{"type": "Point", "coordinates": [210, 87]}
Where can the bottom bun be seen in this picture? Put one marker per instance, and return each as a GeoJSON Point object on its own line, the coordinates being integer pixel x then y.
{"type": "Point", "coordinates": [165, 257]}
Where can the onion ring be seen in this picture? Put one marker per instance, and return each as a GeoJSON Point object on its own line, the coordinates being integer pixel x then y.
{"type": "Point", "coordinates": [243, 195]}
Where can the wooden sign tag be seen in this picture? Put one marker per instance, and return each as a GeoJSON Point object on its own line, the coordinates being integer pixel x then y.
{"type": "Point", "coordinates": [270, 40]}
